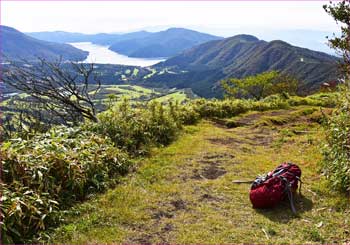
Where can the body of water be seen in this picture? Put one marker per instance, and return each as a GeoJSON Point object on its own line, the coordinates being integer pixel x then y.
{"type": "Point", "coordinates": [101, 54]}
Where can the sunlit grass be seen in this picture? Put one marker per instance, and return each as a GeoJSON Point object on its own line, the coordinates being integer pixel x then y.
{"type": "Point", "coordinates": [177, 96]}
{"type": "Point", "coordinates": [169, 200]}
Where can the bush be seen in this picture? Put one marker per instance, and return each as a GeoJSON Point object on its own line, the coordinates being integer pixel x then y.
{"type": "Point", "coordinates": [188, 115]}
{"type": "Point", "coordinates": [220, 108]}
{"type": "Point", "coordinates": [320, 99]}
{"type": "Point", "coordinates": [336, 152]}
{"type": "Point", "coordinates": [24, 212]}
{"type": "Point", "coordinates": [233, 107]}
{"type": "Point", "coordinates": [135, 130]}
{"type": "Point", "coordinates": [59, 167]}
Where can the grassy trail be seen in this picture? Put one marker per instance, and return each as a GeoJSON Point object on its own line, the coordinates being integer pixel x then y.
{"type": "Point", "coordinates": [184, 193]}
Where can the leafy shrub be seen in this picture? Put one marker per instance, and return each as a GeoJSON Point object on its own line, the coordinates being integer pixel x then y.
{"type": "Point", "coordinates": [24, 212]}
{"type": "Point", "coordinates": [61, 166]}
{"type": "Point", "coordinates": [229, 107]}
{"type": "Point", "coordinates": [260, 85]}
{"type": "Point", "coordinates": [136, 129]}
{"type": "Point", "coordinates": [188, 115]}
{"type": "Point", "coordinates": [220, 108]}
{"type": "Point", "coordinates": [336, 152]}
{"type": "Point", "coordinates": [233, 107]}
{"type": "Point", "coordinates": [320, 99]}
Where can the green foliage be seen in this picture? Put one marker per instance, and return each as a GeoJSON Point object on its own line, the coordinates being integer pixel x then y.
{"type": "Point", "coordinates": [336, 163]}
{"type": "Point", "coordinates": [320, 99]}
{"type": "Point", "coordinates": [218, 108]}
{"type": "Point", "coordinates": [340, 11]}
{"type": "Point", "coordinates": [135, 130]}
{"type": "Point", "coordinates": [24, 211]}
{"type": "Point", "coordinates": [188, 115]}
{"type": "Point", "coordinates": [251, 86]}
{"type": "Point", "coordinates": [260, 85]}
{"type": "Point", "coordinates": [234, 107]}
{"type": "Point", "coordinates": [59, 167]}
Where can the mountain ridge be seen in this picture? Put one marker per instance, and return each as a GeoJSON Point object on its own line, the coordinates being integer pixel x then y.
{"type": "Point", "coordinates": [16, 45]}
{"type": "Point", "coordinates": [165, 43]}
{"type": "Point", "coordinates": [141, 44]}
{"type": "Point", "coordinates": [240, 56]}
{"type": "Point", "coordinates": [98, 38]}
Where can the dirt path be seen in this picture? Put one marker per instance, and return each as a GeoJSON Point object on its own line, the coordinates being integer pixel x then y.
{"type": "Point", "coordinates": [185, 194]}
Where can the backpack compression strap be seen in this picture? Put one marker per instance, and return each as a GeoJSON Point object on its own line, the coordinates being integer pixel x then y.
{"type": "Point", "coordinates": [290, 197]}
{"type": "Point", "coordinates": [290, 193]}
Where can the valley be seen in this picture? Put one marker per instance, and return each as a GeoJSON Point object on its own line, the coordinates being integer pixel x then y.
{"type": "Point", "coordinates": [200, 64]}
{"type": "Point", "coordinates": [109, 95]}
{"type": "Point", "coordinates": [119, 124]}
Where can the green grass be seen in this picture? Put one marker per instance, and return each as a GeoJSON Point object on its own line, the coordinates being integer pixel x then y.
{"type": "Point", "coordinates": [172, 198]}
{"type": "Point", "coordinates": [132, 92]}
{"type": "Point", "coordinates": [127, 89]}
{"type": "Point", "coordinates": [135, 88]}
{"type": "Point", "coordinates": [179, 96]}
{"type": "Point", "coordinates": [137, 93]}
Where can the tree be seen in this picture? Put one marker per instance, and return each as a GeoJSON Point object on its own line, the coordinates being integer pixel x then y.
{"type": "Point", "coordinates": [336, 151]}
{"type": "Point", "coordinates": [340, 11]}
{"type": "Point", "coordinates": [260, 85]}
{"type": "Point", "coordinates": [65, 91]}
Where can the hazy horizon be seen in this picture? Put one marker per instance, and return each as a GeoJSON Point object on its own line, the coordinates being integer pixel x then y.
{"type": "Point", "coordinates": [120, 16]}
{"type": "Point", "coordinates": [302, 23]}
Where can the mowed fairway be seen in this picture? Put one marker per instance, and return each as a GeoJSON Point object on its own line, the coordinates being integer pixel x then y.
{"type": "Point", "coordinates": [131, 92]}
{"type": "Point", "coordinates": [184, 193]}
{"type": "Point", "coordinates": [179, 96]}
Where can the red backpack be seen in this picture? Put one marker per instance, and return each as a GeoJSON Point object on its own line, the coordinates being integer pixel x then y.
{"type": "Point", "coordinates": [269, 190]}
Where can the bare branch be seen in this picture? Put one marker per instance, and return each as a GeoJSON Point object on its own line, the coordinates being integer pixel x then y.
{"type": "Point", "coordinates": [63, 89]}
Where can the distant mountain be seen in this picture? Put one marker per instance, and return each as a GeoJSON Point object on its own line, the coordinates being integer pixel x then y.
{"type": "Point", "coordinates": [140, 44]}
{"type": "Point", "coordinates": [100, 38]}
{"type": "Point", "coordinates": [241, 56]}
{"type": "Point", "coordinates": [162, 44]}
{"type": "Point", "coordinates": [16, 45]}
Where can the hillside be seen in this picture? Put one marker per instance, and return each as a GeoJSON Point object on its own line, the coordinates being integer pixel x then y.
{"type": "Point", "coordinates": [100, 38]}
{"type": "Point", "coordinates": [184, 193]}
{"type": "Point", "coordinates": [162, 44]}
{"type": "Point", "coordinates": [241, 56]}
{"type": "Point", "coordinates": [16, 45]}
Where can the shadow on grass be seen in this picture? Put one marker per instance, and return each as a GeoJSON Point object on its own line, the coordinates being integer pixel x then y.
{"type": "Point", "coordinates": [282, 213]}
